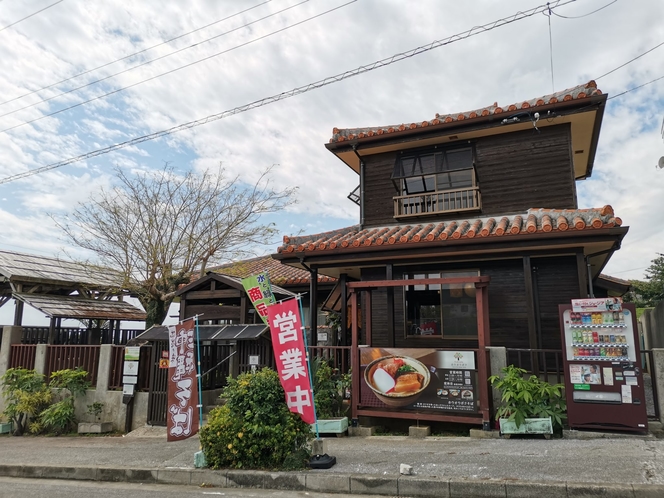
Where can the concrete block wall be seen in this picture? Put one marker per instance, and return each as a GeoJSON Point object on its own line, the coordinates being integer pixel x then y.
{"type": "Point", "coordinates": [652, 326]}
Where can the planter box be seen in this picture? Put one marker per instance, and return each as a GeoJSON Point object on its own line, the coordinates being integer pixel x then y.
{"type": "Point", "coordinates": [94, 427]}
{"type": "Point", "coordinates": [331, 425]}
{"type": "Point", "coordinates": [530, 426]}
{"type": "Point", "coordinates": [5, 428]}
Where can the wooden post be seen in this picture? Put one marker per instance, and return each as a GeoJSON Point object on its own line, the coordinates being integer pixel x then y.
{"type": "Point", "coordinates": [313, 305]}
{"type": "Point", "coordinates": [390, 308]}
{"type": "Point", "coordinates": [51, 331]}
{"type": "Point", "coordinates": [367, 317]}
{"type": "Point", "coordinates": [344, 309]}
{"type": "Point", "coordinates": [484, 340]}
{"type": "Point", "coordinates": [355, 359]}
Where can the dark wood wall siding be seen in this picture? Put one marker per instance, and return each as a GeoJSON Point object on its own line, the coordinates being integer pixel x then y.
{"type": "Point", "coordinates": [525, 170]}
{"type": "Point", "coordinates": [556, 281]}
{"type": "Point", "coordinates": [515, 172]}
{"type": "Point", "coordinates": [379, 189]}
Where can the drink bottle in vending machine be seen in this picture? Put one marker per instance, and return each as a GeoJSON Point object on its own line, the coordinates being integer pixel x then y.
{"type": "Point", "coordinates": [602, 362]}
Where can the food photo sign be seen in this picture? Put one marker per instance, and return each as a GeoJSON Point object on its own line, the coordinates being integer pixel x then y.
{"type": "Point", "coordinates": [419, 380]}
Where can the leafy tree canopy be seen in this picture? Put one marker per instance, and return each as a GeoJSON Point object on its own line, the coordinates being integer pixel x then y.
{"type": "Point", "coordinates": [646, 294]}
{"type": "Point", "coordinates": [158, 228]}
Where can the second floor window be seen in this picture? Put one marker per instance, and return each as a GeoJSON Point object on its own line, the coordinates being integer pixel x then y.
{"type": "Point", "coordinates": [446, 177]}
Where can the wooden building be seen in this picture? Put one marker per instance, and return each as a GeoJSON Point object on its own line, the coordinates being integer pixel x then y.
{"type": "Point", "coordinates": [484, 199]}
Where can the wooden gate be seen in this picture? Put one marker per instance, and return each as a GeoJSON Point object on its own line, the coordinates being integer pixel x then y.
{"type": "Point", "coordinates": [158, 397]}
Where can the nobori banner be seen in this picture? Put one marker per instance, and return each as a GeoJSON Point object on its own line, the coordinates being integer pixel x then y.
{"type": "Point", "coordinates": [182, 417]}
{"type": "Point", "coordinates": [259, 290]}
{"type": "Point", "coordinates": [291, 357]}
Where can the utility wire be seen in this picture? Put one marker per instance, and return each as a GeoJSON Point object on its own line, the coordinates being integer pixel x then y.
{"type": "Point", "coordinates": [28, 17]}
{"type": "Point", "coordinates": [113, 92]}
{"type": "Point", "coordinates": [585, 15]}
{"type": "Point", "coordinates": [134, 54]}
{"type": "Point", "coordinates": [630, 61]}
{"type": "Point", "coordinates": [630, 90]}
{"type": "Point", "coordinates": [296, 91]}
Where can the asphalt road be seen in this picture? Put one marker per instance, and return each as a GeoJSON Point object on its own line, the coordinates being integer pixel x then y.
{"type": "Point", "coordinates": [11, 487]}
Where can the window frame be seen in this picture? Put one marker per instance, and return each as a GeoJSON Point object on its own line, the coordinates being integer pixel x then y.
{"type": "Point", "coordinates": [471, 272]}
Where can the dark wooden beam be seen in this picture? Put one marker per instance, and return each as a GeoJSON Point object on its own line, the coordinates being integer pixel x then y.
{"type": "Point", "coordinates": [213, 294]}
{"type": "Point", "coordinates": [582, 272]}
{"type": "Point", "coordinates": [343, 292]}
{"type": "Point", "coordinates": [530, 301]}
{"type": "Point", "coordinates": [313, 305]}
{"type": "Point", "coordinates": [214, 312]}
{"type": "Point", "coordinates": [390, 307]}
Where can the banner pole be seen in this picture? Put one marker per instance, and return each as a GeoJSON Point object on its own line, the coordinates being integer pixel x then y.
{"type": "Point", "coordinates": [311, 379]}
{"type": "Point", "coordinates": [198, 369]}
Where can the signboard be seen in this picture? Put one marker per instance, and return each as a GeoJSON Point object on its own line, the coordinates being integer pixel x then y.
{"type": "Point", "coordinates": [259, 290]}
{"type": "Point", "coordinates": [438, 381]}
{"type": "Point", "coordinates": [129, 379]}
{"type": "Point", "coordinates": [132, 353]}
{"type": "Point", "coordinates": [182, 417]}
{"type": "Point", "coordinates": [253, 360]}
{"type": "Point", "coordinates": [130, 368]}
{"type": "Point", "coordinates": [128, 389]}
{"type": "Point", "coordinates": [163, 363]}
{"type": "Point", "coordinates": [322, 336]}
{"type": "Point", "coordinates": [291, 358]}
{"type": "Point", "coordinates": [601, 304]}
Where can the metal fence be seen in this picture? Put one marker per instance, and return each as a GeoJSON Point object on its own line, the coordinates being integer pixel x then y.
{"type": "Point", "coordinates": [63, 357]}
{"type": "Point", "coordinates": [23, 356]}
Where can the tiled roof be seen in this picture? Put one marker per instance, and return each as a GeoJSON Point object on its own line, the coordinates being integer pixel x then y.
{"type": "Point", "coordinates": [579, 92]}
{"type": "Point", "coordinates": [280, 274]}
{"type": "Point", "coordinates": [532, 222]}
{"type": "Point", "coordinates": [615, 280]}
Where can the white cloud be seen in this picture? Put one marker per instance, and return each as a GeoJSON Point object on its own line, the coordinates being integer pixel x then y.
{"type": "Point", "coordinates": [507, 65]}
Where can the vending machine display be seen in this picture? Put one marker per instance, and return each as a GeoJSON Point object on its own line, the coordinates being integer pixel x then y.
{"type": "Point", "coordinates": [603, 378]}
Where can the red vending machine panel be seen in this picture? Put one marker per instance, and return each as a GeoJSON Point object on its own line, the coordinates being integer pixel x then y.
{"type": "Point", "coordinates": [601, 357]}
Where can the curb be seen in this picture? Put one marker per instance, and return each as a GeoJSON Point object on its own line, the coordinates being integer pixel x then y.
{"type": "Point", "coordinates": [315, 481]}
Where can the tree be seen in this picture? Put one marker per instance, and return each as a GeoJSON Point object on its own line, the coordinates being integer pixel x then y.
{"type": "Point", "coordinates": [646, 294]}
{"type": "Point", "coordinates": [158, 228]}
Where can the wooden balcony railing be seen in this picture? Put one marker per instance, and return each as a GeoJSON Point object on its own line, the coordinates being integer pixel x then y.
{"type": "Point", "coordinates": [444, 201]}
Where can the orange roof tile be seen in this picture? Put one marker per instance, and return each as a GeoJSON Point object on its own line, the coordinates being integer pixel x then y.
{"type": "Point", "coordinates": [579, 92]}
{"type": "Point", "coordinates": [280, 274]}
{"type": "Point", "coordinates": [536, 220]}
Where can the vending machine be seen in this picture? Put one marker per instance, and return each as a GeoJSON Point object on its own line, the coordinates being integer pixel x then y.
{"type": "Point", "coordinates": [602, 362]}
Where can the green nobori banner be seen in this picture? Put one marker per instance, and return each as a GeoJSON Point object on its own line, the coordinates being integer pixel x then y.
{"type": "Point", "coordinates": [259, 290]}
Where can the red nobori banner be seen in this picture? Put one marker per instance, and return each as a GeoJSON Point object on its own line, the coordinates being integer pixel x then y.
{"type": "Point", "coordinates": [291, 357]}
{"type": "Point", "coordinates": [182, 416]}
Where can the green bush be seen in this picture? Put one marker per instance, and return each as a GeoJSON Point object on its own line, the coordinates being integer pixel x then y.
{"type": "Point", "coordinates": [530, 397]}
{"type": "Point", "coordinates": [33, 405]}
{"type": "Point", "coordinates": [26, 395]}
{"type": "Point", "coordinates": [255, 429]}
{"type": "Point", "coordinates": [330, 388]}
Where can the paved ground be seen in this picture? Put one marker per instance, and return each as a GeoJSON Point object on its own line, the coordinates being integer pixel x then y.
{"type": "Point", "coordinates": [605, 462]}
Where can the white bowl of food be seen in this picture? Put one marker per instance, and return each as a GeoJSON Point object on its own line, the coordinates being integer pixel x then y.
{"type": "Point", "coordinates": [397, 380]}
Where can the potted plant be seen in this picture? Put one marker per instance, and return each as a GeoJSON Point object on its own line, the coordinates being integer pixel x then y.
{"type": "Point", "coordinates": [331, 389]}
{"type": "Point", "coordinates": [529, 405]}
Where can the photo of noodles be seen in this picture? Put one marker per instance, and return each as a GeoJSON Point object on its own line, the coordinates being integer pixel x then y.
{"type": "Point", "coordinates": [397, 380]}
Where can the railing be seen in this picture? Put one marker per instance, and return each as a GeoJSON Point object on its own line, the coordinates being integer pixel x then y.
{"type": "Point", "coordinates": [72, 335]}
{"type": "Point", "coordinates": [547, 364]}
{"type": "Point", "coordinates": [445, 201]}
{"type": "Point", "coordinates": [337, 356]}
{"type": "Point", "coordinates": [23, 356]}
{"type": "Point", "coordinates": [63, 357]}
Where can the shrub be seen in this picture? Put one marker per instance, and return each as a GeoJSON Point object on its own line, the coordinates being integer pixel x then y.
{"type": "Point", "coordinates": [255, 429]}
{"type": "Point", "coordinates": [528, 398]}
{"type": "Point", "coordinates": [26, 395]}
{"type": "Point", "coordinates": [30, 402]}
{"type": "Point", "coordinates": [330, 388]}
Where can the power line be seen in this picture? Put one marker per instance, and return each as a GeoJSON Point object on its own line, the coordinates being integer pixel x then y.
{"type": "Point", "coordinates": [296, 91]}
{"type": "Point", "coordinates": [113, 92]}
{"type": "Point", "coordinates": [585, 15]}
{"type": "Point", "coordinates": [28, 17]}
{"type": "Point", "coordinates": [134, 54]}
{"type": "Point", "coordinates": [630, 61]}
{"type": "Point", "coordinates": [635, 88]}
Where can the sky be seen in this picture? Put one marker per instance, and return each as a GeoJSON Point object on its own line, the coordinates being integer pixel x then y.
{"type": "Point", "coordinates": [224, 55]}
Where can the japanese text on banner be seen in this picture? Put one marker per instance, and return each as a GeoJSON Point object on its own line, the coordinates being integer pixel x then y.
{"type": "Point", "coordinates": [259, 290]}
{"type": "Point", "coordinates": [291, 357]}
{"type": "Point", "coordinates": [182, 416]}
